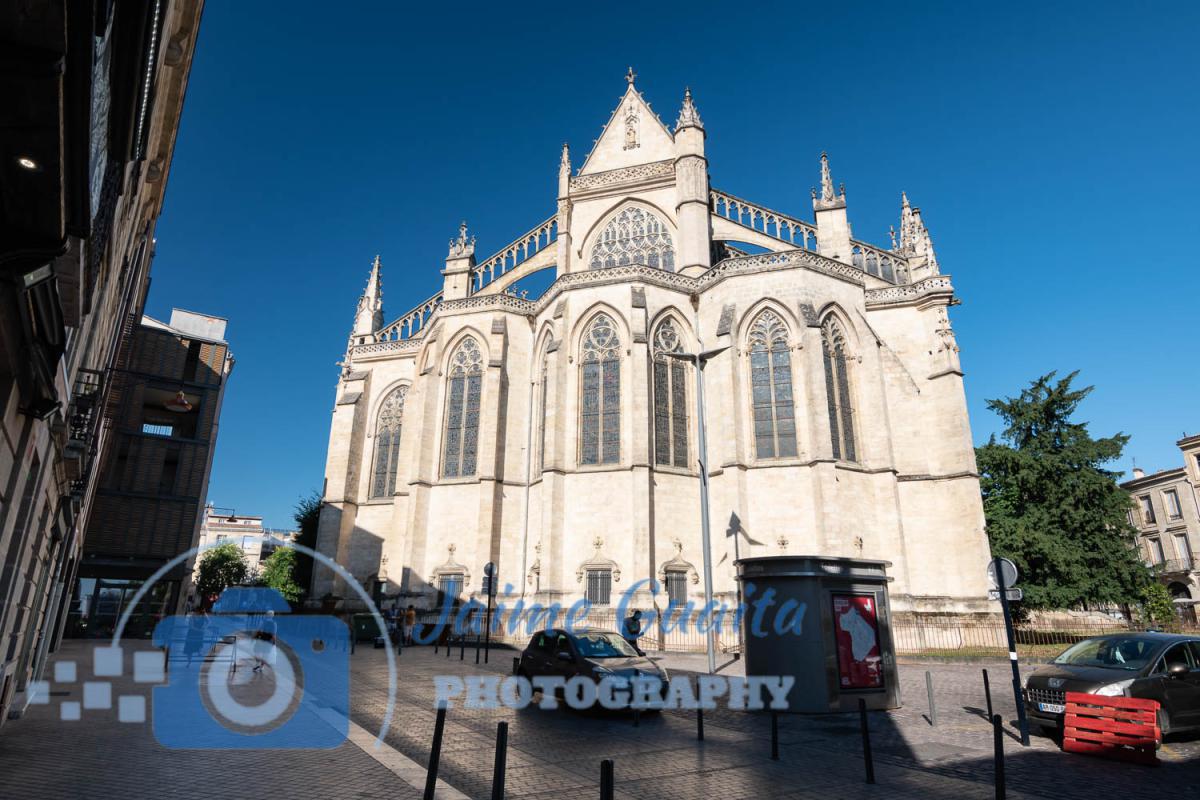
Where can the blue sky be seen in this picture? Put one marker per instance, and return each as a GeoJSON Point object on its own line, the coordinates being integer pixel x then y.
{"type": "Point", "coordinates": [1051, 148]}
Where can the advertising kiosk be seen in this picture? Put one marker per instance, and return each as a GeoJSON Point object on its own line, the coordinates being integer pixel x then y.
{"type": "Point", "coordinates": [824, 621]}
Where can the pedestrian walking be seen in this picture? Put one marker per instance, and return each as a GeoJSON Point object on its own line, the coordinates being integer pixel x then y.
{"type": "Point", "coordinates": [631, 629]}
{"type": "Point", "coordinates": [410, 623]}
{"type": "Point", "coordinates": [194, 641]}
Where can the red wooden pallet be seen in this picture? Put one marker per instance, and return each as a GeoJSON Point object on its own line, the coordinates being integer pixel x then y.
{"type": "Point", "coordinates": [1124, 728]}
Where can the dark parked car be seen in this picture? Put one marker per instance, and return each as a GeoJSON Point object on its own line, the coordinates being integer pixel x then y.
{"type": "Point", "coordinates": [1156, 666]}
{"type": "Point", "coordinates": [589, 652]}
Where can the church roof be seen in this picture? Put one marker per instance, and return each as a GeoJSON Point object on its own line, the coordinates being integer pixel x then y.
{"type": "Point", "coordinates": [612, 150]}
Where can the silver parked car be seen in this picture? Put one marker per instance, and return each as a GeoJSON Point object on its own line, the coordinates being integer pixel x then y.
{"type": "Point", "coordinates": [1156, 666]}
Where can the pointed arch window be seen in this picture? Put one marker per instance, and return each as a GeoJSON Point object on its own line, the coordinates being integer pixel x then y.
{"type": "Point", "coordinates": [462, 410]}
{"type": "Point", "coordinates": [837, 390]}
{"type": "Point", "coordinates": [387, 442]}
{"type": "Point", "coordinates": [771, 387]}
{"type": "Point", "coordinates": [600, 393]}
{"type": "Point", "coordinates": [542, 411]}
{"type": "Point", "coordinates": [634, 236]}
{"type": "Point", "coordinates": [670, 398]}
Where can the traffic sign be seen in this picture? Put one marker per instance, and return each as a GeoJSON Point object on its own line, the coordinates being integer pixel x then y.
{"type": "Point", "coordinates": [489, 580]}
{"type": "Point", "coordinates": [1008, 571]}
{"type": "Point", "coordinates": [1010, 594]}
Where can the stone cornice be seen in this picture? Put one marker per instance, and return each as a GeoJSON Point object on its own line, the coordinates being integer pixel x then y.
{"type": "Point", "coordinates": [638, 173]}
{"type": "Point", "coordinates": [935, 287]}
{"type": "Point", "coordinates": [784, 259]}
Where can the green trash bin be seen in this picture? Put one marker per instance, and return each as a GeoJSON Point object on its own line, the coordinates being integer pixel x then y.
{"type": "Point", "coordinates": [365, 629]}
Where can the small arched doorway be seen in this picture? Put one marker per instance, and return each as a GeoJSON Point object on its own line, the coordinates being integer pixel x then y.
{"type": "Point", "coordinates": [1182, 596]}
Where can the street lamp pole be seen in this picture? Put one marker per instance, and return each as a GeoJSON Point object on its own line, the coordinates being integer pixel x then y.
{"type": "Point", "coordinates": [700, 359]}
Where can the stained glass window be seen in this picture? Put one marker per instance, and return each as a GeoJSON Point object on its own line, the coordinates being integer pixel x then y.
{"type": "Point", "coordinates": [387, 442]}
{"type": "Point", "coordinates": [837, 390]}
{"type": "Point", "coordinates": [542, 418]}
{"type": "Point", "coordinates": [462, 410]}
{"type": "Point", "coordinates": [600, 396]}
{"type": "Point", "coordinates": [771, 387]}
{"type": "Point", "coordinates": [670, 398]}
{"type": "Point", "coordinates": [634, 236]}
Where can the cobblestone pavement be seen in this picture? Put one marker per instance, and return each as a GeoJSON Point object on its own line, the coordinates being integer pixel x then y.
{"type": "Point", "coordinates": [557, 753]}
{"type": "Point", "coordinates": [43, 757]}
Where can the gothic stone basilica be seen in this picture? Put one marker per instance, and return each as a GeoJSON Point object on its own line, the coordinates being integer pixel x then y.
{"type": "Point", "coordinates": [557, 438]}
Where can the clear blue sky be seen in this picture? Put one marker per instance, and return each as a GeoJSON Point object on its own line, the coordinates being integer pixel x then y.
{"type": "Point", "coordinates": [1051, 147]}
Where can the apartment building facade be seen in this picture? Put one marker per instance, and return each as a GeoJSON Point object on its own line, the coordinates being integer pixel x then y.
{"type": "Point", "coordinates": [1166, 514]}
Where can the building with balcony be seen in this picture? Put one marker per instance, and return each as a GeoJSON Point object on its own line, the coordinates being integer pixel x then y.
{"type": "Point", "coordinates": [556, 435]}
{"type": "Point", "coordinates": [256, 542]}
{"type": "Point", "coordinates": [1166, 514]}
{"type": "Point", "coordinates": [92, 94]}
{"type": "Point", "coordinates": [154, 477]}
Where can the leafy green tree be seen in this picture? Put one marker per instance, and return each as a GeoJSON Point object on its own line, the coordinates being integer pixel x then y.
{"type": "Point", "coordinates": [221, 567]}
{"type": "Point", "coordinates": [278, 573]}
{"type": "Point", "coordinates": [1157, 607]}
{"type": "Point", "coordinates": [307, 516]}
{"type": "Point", "coordinates": [1052, 507]}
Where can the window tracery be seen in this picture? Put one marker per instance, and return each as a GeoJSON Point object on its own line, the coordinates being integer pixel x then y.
{"type": "Point", "coordinates": [634, 236]}
{"type": "Point", "coordinates": [670, 398]}
{"type": "Point", "coordinates": [837, 390]}
{"type": "Point", "coordinates": [600, 393]}
{"type": "Point", "coordinates": [465, 385]}
{"type": "Point", "coordinates": [387, 442]}
{"type": "Point", "coordinates": [771, 387]}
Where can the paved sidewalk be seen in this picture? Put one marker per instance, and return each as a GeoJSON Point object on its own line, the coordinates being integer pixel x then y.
{"type": "Point", "coordinates": [45, 757]}
{"type": "Point", "coordinates": [557, 754]}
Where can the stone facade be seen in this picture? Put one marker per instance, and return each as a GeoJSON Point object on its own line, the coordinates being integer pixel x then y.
{"type": "Point", "coordinates": [1166, 514]}
{"type": "Point", "coordinates": [93, 93]}
{"type": "Point", "coordinates": [554, 437]}
{"type": "Point", "coordinates": [257, 543]}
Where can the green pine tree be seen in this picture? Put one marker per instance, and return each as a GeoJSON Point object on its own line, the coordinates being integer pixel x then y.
{"type": "Point", "coordinates": [307, 516]}
{"type": "Point", "coordinates": [1051, 506]}
{"type": "Point", "coordinates": [278, 573]}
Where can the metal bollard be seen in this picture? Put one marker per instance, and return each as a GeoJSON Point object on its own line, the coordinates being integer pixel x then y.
{"type": "Point", "coordinates": [866, 740]}
{"type": "Point", "coordinates": [700, 724]}
{"type": "Point", "coordinates": [637, 717]}
{"type": "Point", "coordinates": [774, 736]}
{"type": "Point", "coordinates": [929, 691]}
{"type": "Point", "coordinates": [476, 648]}
{"type": "Point", "coordinates": [462, 646]}
{"type": "Point", "coordinates": [987, 690]}
{"type": "Point", "coordinates": [435, 753]}
{"type": "Point", "coordinates": [998, 747]}
{"type": "Point", "coordinates": [516, 665]}
{"type": "Point", "coordinates": [447, 643]}
{"type": "Point", "coordinates": [606, 779]}
{"type": "Point", "coordinates": [501, 759]}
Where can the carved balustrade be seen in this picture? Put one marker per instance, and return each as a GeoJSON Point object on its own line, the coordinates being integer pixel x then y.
{"type": "Point", "coordinates": [412, 323]}
{"type": "Point", "coordinates": [771, 223]}
{"type": "Point", "coordinates": [885, 264]}
{"type": "Point", "coordinates": [513, 254]}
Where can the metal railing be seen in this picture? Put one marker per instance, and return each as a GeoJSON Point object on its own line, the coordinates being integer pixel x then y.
{"type": "Point", "coordinates": [686, 632]}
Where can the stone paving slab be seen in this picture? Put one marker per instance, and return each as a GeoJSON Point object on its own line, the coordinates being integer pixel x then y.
{"type": "Point", "coordinates": [43, 757]}
{"type": "Point", "coordinates": [557, 753]}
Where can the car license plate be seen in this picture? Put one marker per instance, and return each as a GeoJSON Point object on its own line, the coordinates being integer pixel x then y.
{"type": "Point", "coordinates": [1052, 708]}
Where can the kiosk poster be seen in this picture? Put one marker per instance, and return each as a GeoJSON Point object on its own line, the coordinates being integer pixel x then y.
{"type": "Point", "coordinates": [860, 665]}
